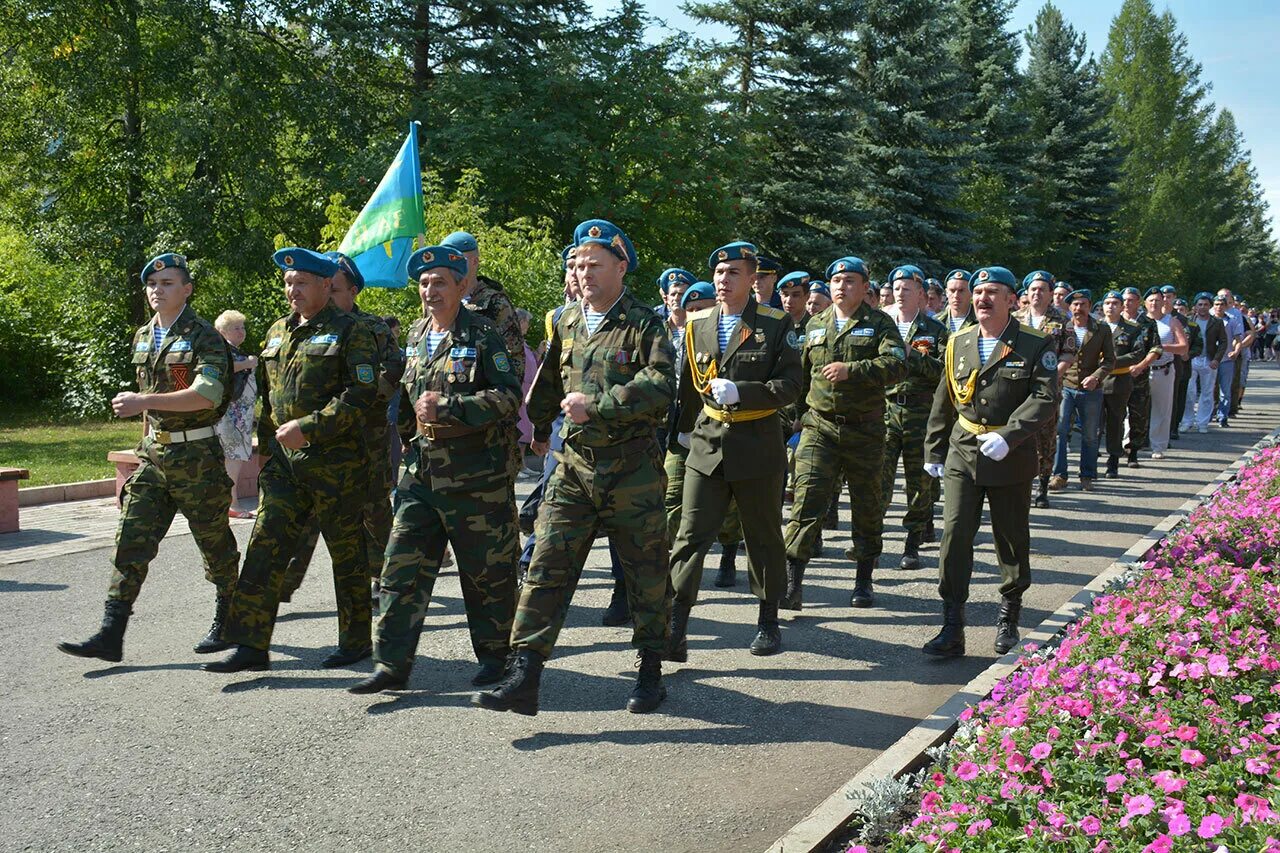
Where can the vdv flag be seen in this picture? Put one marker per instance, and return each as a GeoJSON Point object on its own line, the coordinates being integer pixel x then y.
{"type": "Point", "coordinates": [380, 241]}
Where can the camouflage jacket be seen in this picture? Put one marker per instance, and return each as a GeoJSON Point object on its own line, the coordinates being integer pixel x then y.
{"type": "Point", "coordinates": [1149, 341]}
{"type": "Point", "coordinates": [391, 358]}
{"type": "Point", "coordinates": [1129, 348]}
{"type": "Point", "coordinates": [626, 370]}
{"type": "Point", "coordinates": [925, 343]}
{"type": "Point", "coordinates": [193, 353]}
{"type": "Point", "coordinates": [490, 300]}
{"type": "Point", "coordinates": [873, 349]}
{"type": "Point", "coordinates": [474, 375]}
{"type": "Point", "coordinates": [321, 372]}
{"type": "Point", "coordinates": [1057, 326]}
{"type": "Point", "coordinates": [1195, 339]}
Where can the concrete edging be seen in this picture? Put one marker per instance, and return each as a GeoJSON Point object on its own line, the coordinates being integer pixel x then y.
{"type": "Point", "coordinates": [908, 754]}
{"type": "Point", "coordinates": [83, 490]}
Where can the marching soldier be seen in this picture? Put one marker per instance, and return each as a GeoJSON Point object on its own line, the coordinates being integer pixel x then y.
{"type": "Point", "coordinates": [819, 298]}
{"type": "Point", "coordinates": [852, 353]}
{"type": "Point", "coordinates": [907, 406]}
{"type": "Point", "coordinates": [458, 389]}
{"type": "Point", "coordinates": [959, 307]}
{"type": "Point", "coordinates": [794, 290]}
{"type": "Point", "coordinates": [1138, 427]}
{"type": "Point", "coordinates": [998, 389]}
{"type": "Point", "coordinates": [1128, 342]}
{"type": "Point", "coordinates": [1044, 315]}
{"type": "Point", "coordinates": [1080, 396]}
{"type": "Point", "coordinates": [741, 366]}
{"type": "Point", "coordinates": [610, 369]}
{"type": "Point", "coordinates": [765, 286]}
{"type": "Point", "coordinates": [319, 382]}
{"type": "Point", "coordinates": [184, 372]}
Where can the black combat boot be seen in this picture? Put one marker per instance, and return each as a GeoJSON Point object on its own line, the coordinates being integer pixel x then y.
{"type": "Point", "coordinates": [678, 644]}
{"type": "Point", "coordinates": [930, 534]}
{"type": "Point", "coordinates": [862, 596]}
{"type": "Point", "coordinates": [950, 640]}
{"type": "Point", "coordinates": [1007, 624]}
{"type": "Point", "coordinates": [379, 681]}
{"type": "Point", "coordinates": [768, 639]}
{"type": "Point", "coordinates": [346, 657]}
{"type": "Point", "coordinates": [619, 611]}
{"type": "Point", "coordinates": [648, 692]}
{"type": "Point", "coordinates": [490, 672]}
{"type": "Point", "coordinates": [911, 551]}
{"type": "Point", "coordinates": [518, 690]}
{"type": "Point", "coordinates": [108, 643]}
{"type": "Point", "coordinates": [1113, 467]}
{"type": "Point", "coordinates": [795, 578]}
{"type": "Point", "coordinates": [728, 574]}
{"type": "Point", "coordinates": [1133, 459]}
{"type": "Point", "coordinates": [1042, 494]}
{"type": "Point", "coordinates": [213, 641]}
{"type": "Point", "coordinates": [243, 658]}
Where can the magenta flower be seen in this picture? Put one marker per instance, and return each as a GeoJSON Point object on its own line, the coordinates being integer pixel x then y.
{"type": "Point", "coordinates": [1140, 805]}
{"type": "Point", "coordinates": [1210, 825]}
{"type": "Point", "coordinates": [1041, 751]}
{"type": "Point", "coordinates": [1115, 782]}
{"type": "Point", "coordinates": [1090, 825]}
{"type": "Point", "coordinates": [1179, 824]}
{"type": "Point", "coordinates": [1218, 666]}
{"type": "Point", "coordinates": [1194, 757]}
{"type": "Point", "coordinates": [1259, 766]}
{"type": "Point", "coordinates": [967, 771]}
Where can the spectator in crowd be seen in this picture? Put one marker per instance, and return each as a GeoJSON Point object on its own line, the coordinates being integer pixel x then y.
{"type": "Point", "coordinates": [1173, 340]}
{"type": "Point", "coordinates": [819, 297]}
{"type": "Point", "coordinates": [1082, 394]}
{"type": "Point", "coordinates": [886, 296]}
{"type": "Point", "coordinates": [1227, 368]}
{"type": "Point", "coordinates": [235, 430]}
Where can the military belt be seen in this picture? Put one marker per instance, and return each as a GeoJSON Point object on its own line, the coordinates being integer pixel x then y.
{"type": "Point", "coordinates": [609, 451]}
{"type": "Point", "coordinates": [1121, 371]}
{"type": "Point", "coordinates": [906, 399]}
{"type": "Point", "coordinates": [978, 429]}
{"type": "Point", "coordinates": [843, 420]}
{"type": "Point", "coordinates": [1163, 368]}
{"type": "Point", "coordinates": [725, 416]}
{"type": "Point", "coordinates": [440, 432]}
{"type": "Point", "coordinates": [179, 436]}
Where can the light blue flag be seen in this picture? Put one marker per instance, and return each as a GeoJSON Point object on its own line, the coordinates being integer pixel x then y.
{"type": "Point", "coordinates": [380, 241]}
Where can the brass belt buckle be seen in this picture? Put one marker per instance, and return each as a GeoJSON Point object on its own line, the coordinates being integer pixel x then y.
{"type": "Point", "coordinates": [162, 436]}
{"type": "Point", "coordinates": [428, 430]}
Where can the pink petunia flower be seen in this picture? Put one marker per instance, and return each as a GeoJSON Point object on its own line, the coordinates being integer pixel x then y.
{"type": "Point", "coordinates": [1115, 782]}
{"type": "Point", "coordinates": [1179, 824]}
{"type": "Point", "coordinates": [1210, 825]}
{"type": "Point", "coordinates": [1041, 751]}
{"type": "Point", "coordinates": [967, 771]}
{"type": "Point", "coordinates": [1194, 757]}
{"type": "Point", "coordinates": [1090, 825]}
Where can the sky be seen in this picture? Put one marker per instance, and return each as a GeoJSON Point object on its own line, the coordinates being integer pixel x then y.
{"type": "Point", "coordinates": [1232, 39]}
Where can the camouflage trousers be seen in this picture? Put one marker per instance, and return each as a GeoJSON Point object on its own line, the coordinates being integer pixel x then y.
{"type": "Point", "coordinates": [479, 525]}
{"type": "Point", "coordinates": [1047, 443]}
{"type": "Point", "coordinates": [730, 530]}
{"type": "Point", "coordinates": [191, 478]}
{"type": "Point", "coordinates": [620, 494]}
{"type": "Point", "coordinates": [294, 489]}
{"type": "Point", "coordinates": [828, 456]}
{"type": "Point", "coordinates": [905, 428]}
{"type": "Point", "coordinates": [1138, 430]}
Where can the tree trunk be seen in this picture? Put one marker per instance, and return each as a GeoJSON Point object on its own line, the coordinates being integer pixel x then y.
{"type": "Point", "coordinates": [132, 144]}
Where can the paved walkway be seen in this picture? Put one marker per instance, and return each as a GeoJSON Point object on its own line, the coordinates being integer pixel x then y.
{"type": "Point", "coordinates": [156, 755]}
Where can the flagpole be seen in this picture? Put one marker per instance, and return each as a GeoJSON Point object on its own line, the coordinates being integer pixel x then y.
{"type": "Point", "coordinates": [417, 164]}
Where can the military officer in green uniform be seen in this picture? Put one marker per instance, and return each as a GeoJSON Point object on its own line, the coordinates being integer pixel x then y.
{"type": "Point", "coordinates": [1043, 315]}
{"type": "Point", "coordinates": [320, 379]}
{"type": "Point", "coordinates": [907, 406]}
{"type": "Point", "coordinates": [852, 353]}
{"type": "Point", "coordinates": [741, 366]}
{"type": "Point", "coordinates": [794, 290]}
{"type": "Point", "coordinates": [458, 389]}
{"type": "Point", "coordinates": [347, 284]}
{"type": "Point", "coordinates": [183, 369]}
{"type": "Point", "coordinates": [999, 385]}
{"type": "Point", "coordinates": [1137, 431]}
{"type": "Point", "coordinates": [1129, 343]}
{"type": "Point", "coordinates": [610, 369]}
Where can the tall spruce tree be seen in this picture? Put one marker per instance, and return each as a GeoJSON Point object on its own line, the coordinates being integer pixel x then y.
{"type": "Point", "coordinates": [1071, 202]}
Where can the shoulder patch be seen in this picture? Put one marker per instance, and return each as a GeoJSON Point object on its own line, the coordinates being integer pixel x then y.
{"type": "Point", "coordinates": [1049, 361]}
{"type": "Point", "coordinates": [770, 311]}
{"type": "Point", "coordinates": [1035, 333]}
{"type": "Point", "coordinates": [898, 352]}
{"type": "Point", "coordinates": [793, 340]}
{"type": "Point", "coordinates": [364, 373]}
{"type": "Point", "coordinates": [501, 363]}
{"type": "Point", "coordinates": [211, 372]}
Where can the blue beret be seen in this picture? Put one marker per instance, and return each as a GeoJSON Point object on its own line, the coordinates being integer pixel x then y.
{"type": "Point", "coordinates": [958, 273]}
{"type": "Point", "coordinates": [934, 284]}
{"type": "Point", "coordinates": [565, 254]}
{"type": "Point", "coordinates": [675, 275]}
{"type": "Point", "coordinates": [1168, 288]}
{"type": "Point", "coordinates": [820, 287]}
{"type": "Point", "coordinates": [999, 275]}
{"type": "Point", "coordinates": [348, 266]}
{"type": "Point", "coordinates": [462, 241]}
{"type": "Point", "coordinates": [164, 261]}
{"type": "Point", "coordinates": [768, 265]}
{"type": "Point", "coordinates": [1112, 294]}
{"type": "Point", "coordinates": [305, 260]}
{"type": "Point", "coordinates": [1128, 290]}
{"type": "Point", "coordinates": [799, 278]}
{"type": "Point", "coordinates": [1038, 275]}
{"type": "Point", "coordinates": [1022, 291]}
{"type": "Point", "coordinates": [733, 252]}
{"type": "Point", "coordinates": [602, 232]}
{"type": "Point", "coordinates": [906, 271]}
{"type": "Point", "coordinates": [697, 291]}
{"type": "Point", "coordinates": [1204, 294]}
{"type": "Point", "coordinates": [847, 264]}
{"type": "Point", "coordinates": [1153, 290]}
{"type": "Point", "coordinates": [1080, 291]}
{"type": "Point", "coordinates": [434, 257]}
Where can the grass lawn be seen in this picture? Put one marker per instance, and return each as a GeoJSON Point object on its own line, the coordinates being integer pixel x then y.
{"type": "Point", "coordinates": [61, 449]}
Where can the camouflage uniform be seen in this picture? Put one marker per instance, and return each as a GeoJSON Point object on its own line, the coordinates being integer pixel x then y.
{"type": "Point", "coordinates": [377, 511]}
{"type": "Point", "coordinates": [489, 300]}
{"type": "Point", "coordinates": [323, 373]}
{"type": "Point", "coordinates": [454, 491]}
{"type": "Point", "coordinates": [843, 435]}
{"type": "Point", "coordinates": [906, 419]}
{"type": "Point", "coordinates": [1057, 326]}
{"type": "Point", "coordinates": [1137, 433]}
{"type": "Point", "coordinates": [610, 473]}
{"type": "Point", "coordinates": [190, 476]}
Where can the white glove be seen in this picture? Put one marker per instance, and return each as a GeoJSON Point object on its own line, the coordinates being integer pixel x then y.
{"type": "Point", "coordinates": [724, 392]}
{"type": "Point", "coordinates": [684, 439]}
{"type": "Point", "coordinates": [993, 446]}
{"type": "Point", "coordinates": [933, 469]}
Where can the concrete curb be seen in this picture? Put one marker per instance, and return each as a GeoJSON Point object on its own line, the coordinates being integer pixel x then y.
{"type": "Point", "coordinates": [908, 754]}
{"type": "Point", "coordinates": [67, 492]}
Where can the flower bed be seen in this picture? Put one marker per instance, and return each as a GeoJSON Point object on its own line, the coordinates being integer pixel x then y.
{"type": "Point", "coordinates": [1153, 726]}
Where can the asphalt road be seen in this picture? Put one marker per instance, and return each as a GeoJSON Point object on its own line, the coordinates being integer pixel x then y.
{"type": "Point", "coordinates": [157, 755]}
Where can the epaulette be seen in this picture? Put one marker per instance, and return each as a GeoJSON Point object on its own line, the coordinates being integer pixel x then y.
{"type": "Point", "coordinates": [770, 311]}
{"type": "Point", "coordinates": [701, 312]}
{"type": "Point", "coordinates": [975, 329]}
{"type": "Point", "coordinates": [1030, 330]}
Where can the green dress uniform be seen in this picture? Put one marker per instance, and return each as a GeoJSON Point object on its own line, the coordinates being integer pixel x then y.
{"type": "Point", "coordinates": [454, 491]}
{"type": "Point", "coordinates": [323, 373]}
{"type": "Point", "coordinates": [1139, 425]}
{"type": "Point", "coordinates": [1011, 393]}
{"type": "Point", "coordinates": [1129, 342]}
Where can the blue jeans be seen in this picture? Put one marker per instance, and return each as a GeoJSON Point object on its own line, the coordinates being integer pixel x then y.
{"type": "Point", "coordinates": [1226, 374]}
{"type": "Point", "coordinates": [1087, 406]}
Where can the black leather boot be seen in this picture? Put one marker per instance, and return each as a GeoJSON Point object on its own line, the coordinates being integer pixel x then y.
{"type": "Point", "coordinates": [677, 643]}
{"type": "Point", "coordinates": [1042, 493]}
{"type": "Point", "coordinates": [490, 672]}
{"type": "Point", "coordinates": [108, 643]}
{"type": "Point", "coordinates": [1113, 467]}
{"type": "Point", "coordinates": [1007, 624]}
{"type": "Point", "coordinates": [1133, 459]}
{"type": "Point", "coordinates": [648, 693]}
{"type": "Point", "coordinates": [768, 639]}
{"type": "Point", "coordinates": [213, 641]}
{"type": "Point", "coordinates": [379, 681]}
{"type": "Point", "coordinates": [950, 640]}
{"type": "Point", "coordinates": [243, 658]}
{"type": "Point", "coordinates": [930, 534]}
{"type": "Point", "coordinates": [728, 574]}
{"type": "Point", "coordinates": [619, 611]}
{"type": "Point", "coordinates": [518, 690]}
{"type": "Point", "coordinates": [795, 579]}
{"type": "Point", "coordinates": [346, 657]}
{"type": "Point", "coordinates": [911, 551]}
{"type": "Point", "coordinates": [862, 596]}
